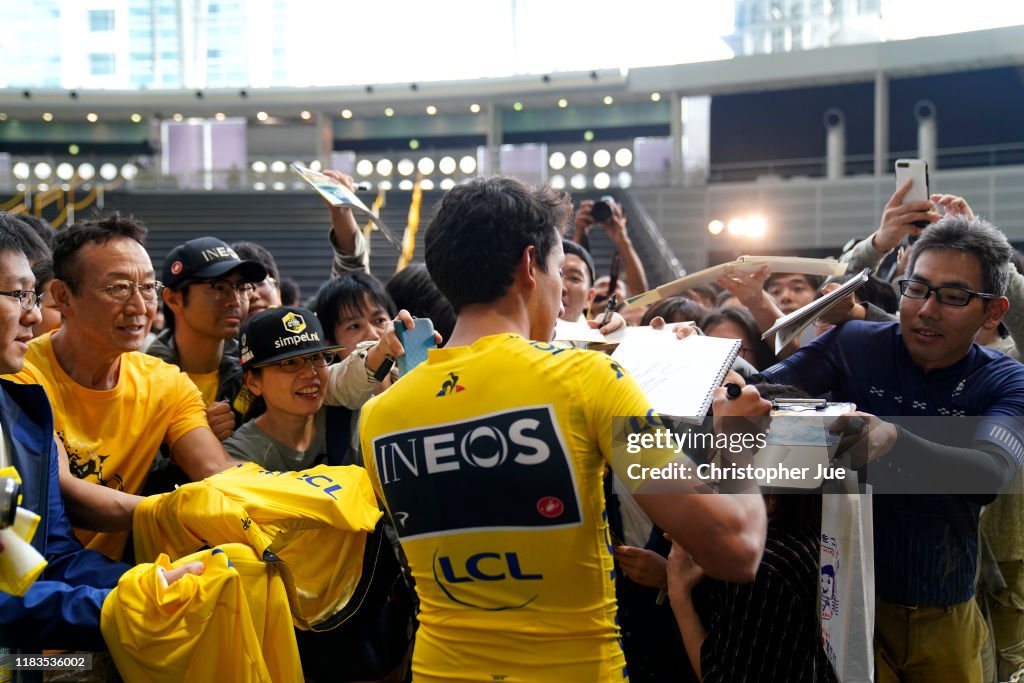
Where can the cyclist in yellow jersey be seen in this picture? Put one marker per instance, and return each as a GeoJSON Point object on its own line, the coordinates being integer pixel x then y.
{"type": "Point", "coordinates": [490, 457]}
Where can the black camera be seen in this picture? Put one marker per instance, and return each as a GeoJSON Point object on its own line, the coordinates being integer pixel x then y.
{"type": "Point", "coordinates": [10, 492]}
{"type": "Point", "coordinates": [603, 209]}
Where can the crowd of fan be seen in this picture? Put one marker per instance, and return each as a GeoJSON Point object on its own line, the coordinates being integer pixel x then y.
{"type": "Point", "coordinates": [157, 375]}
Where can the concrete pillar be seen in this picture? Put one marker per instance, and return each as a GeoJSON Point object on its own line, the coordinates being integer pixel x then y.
{"type": "Point", "coordinates": [882, 124]}
{"type": "Point", "coordinates": [324, 125]}
{"type": "Point", "coordinates": [835, 144]}
{"type": "Point", "coordinates": [927, 131]}
{"type": "Point", "coordinates": [676, 128]}
{"type": "Point", "coordinates": [492, 159]}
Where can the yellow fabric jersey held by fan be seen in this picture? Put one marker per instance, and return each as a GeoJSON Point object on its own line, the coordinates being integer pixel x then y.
{"type": "Point", "coordinates": [490, 458]}
{"type": "Point", "coordinates": [314, 521]}
{"type": "Point", "coordinates": [112, 436]}
{"type": "Point", "coordinates": [230, 623]}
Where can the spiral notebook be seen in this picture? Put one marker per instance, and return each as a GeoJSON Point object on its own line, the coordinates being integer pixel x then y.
{"type": "Point", "coordinates": [679, 376]}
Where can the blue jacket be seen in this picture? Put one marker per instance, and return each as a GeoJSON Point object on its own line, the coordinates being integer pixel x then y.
{"type": "Point", "coordinates": [62, 609]}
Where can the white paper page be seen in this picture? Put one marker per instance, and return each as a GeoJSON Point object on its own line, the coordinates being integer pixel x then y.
{"type": "Point", "coordinates": [789, 326]}
{"type": "Point", "coordinates": [577, 332]}
{"type": "Point", "coordinates": [678, 376]}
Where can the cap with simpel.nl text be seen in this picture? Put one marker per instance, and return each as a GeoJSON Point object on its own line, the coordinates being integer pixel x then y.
{"type": "Point", "coordinates": [277, 334]}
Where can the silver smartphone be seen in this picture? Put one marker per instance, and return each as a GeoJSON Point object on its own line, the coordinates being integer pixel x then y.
{"type": "Point", "coordinates": [916, 170]}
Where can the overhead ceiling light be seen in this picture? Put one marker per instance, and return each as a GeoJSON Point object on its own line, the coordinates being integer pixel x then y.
{"type": "Point", "coordinates": [655, 97]}
{"type": "Point", "coordinates": [47, 116]}
{"type": "Point", "coordinates": [475, 108]}
{"type": "Point", "coordinates": [3, 116]}
{"type": "Point", "coordinates": [220, 116]}
{"type": "Point", "coordinates": [414, 144]}
{"type": "Point", "coordinates": [305, 115]}
{"type": "Point", "coordinates": [388, 111]}
{"type": "Point", "coordinates": [262, 115]}
{"type": "Point", "coordinates": [364, 167]}
{"type": "Point", "coordinates": [431, 110]}
{"type": "Point", "coordinates": [608, 99]}
{"type": "Point", "coordinates": [136, 118]}
{"type": "Point", "coordinates": [518, 106]}
{"type": "Point", "coordinates": [178, 117]}
{"type": "Point", "coordinates": [92, 117]}
{"type": "Point", "coordinates": [563, 103]}
{"type": "Point", "coordinates": [346, 113]}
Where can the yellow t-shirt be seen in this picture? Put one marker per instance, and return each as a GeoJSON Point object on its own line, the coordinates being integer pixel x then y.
{"type": "Point", "coordinates": [112, 436]}
{"type": "Point", "coordinates": [207, 383]}
{"type": "Point", "coordinates": [490, 458]}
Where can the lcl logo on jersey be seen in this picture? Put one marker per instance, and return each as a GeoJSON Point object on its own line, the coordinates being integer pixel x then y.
{"type": "Point", "coordinates": [515, 438]}
{"type": "Point", "coordinates": [452, 573]}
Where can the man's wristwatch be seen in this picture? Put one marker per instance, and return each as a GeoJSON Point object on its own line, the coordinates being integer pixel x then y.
{"type": "Point", "coordinates": [363, 349]}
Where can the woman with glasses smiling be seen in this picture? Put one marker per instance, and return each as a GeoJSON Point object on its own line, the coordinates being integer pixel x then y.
{"type": "Point", "coordinates": [285, 358]}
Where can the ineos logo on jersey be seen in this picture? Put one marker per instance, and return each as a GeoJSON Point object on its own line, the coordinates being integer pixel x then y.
{"type": "Point", "coordinates": [486, 472]}
{"type": "Point", "coordinates": [484, 444]}
{"type": "Point", "coordinates": [477, 446]}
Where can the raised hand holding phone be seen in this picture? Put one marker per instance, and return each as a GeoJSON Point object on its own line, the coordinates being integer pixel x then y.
{"type": "Point", "coordinates": [416, 342]}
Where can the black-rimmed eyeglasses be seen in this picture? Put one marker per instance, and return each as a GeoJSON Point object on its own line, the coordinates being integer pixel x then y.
{"type": "Point", "coordinates": [223, 288]}
{"type": "Point", "coordinates": [28, 298]}
{"type": "Point", "coordinates": [950, 296]}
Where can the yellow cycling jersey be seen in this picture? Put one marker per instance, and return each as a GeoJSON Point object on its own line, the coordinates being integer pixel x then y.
{"type": "Point", "coordinates": [230, 623]}
{"type": "Point", "coordinates": [490, 458]}
{"type": "Point", "coordinates": [314, 522]}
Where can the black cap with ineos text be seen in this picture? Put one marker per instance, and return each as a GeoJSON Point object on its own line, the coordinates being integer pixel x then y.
{"type": "Point", "coordinates": [277, 334]}
{"type": "Point", "coordinates": [206, 258]}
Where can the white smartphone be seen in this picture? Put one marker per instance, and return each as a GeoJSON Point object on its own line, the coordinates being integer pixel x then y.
{"type": "Point", "coordinates": [916, 170]}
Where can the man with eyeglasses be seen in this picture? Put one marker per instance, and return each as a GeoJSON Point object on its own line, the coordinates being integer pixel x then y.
{"type": "Point", "coordinates": [206, 299]}
{"type": "Point", "coordinates": [113, 406]}
{"type": "Point", "coordinates": [268, 290]}
{"type": "Point", "coordinates": [61, 609]}
{"type": "Point", "coordinates": [928, 626]}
